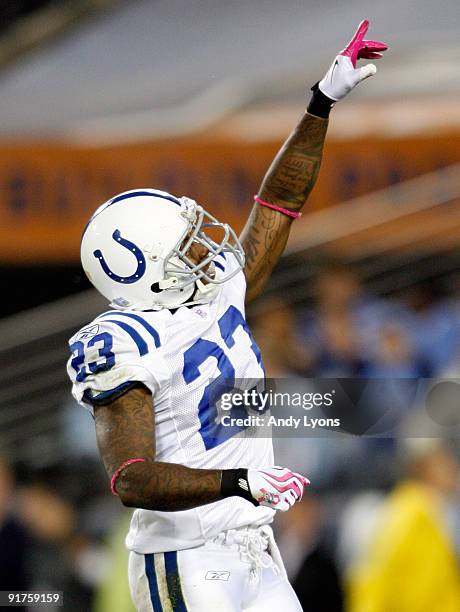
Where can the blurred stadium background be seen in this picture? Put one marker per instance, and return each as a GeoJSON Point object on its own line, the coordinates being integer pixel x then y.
{"type": "Point", "coordinates": [101, 96]}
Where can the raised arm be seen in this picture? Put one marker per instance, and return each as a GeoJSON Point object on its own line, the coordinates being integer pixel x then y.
{"type": "Point", "coordinates": [288, 183]}
{"type": "Point", "coordinates": [293, 173]}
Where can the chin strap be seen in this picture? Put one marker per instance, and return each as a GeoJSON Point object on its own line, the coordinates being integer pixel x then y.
{"type": "Point", "coordinates": [201, 294]}
{"type": "Point", "coordinates": [205, 288]}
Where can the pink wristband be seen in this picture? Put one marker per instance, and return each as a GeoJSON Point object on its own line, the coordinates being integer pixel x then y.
{"type": "Point", "coordinates": [284, 211]}
{"type": "Point", "coordinates": [124, 465]}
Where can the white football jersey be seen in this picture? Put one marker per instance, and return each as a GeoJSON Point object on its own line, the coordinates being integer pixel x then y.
{"type": "Point", "coordinates": [180, 356]}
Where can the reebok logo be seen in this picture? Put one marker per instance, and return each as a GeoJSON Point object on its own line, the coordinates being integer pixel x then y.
{"type": "Point", "coordinates": [217, 575]}
{"type": "Point", "coordinates": [88, 332]}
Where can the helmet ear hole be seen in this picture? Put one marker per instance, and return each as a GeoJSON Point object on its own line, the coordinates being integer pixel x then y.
{"type": "Point", "coordinates": [155, 288]}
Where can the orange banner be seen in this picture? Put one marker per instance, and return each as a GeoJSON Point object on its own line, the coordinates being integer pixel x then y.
{"type": "Point", "coordinates": [49, 191]}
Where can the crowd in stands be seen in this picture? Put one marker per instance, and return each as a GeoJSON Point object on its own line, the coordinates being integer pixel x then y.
{"type": "Point", "coordinates": [349, 332]}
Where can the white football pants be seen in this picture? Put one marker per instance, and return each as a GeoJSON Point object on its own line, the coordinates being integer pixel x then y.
{"type": "Point", "coordinates": [239, 570]}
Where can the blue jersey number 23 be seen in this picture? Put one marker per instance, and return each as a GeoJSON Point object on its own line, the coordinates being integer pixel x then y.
{"type": "Point", "coordinates": [105, 352]}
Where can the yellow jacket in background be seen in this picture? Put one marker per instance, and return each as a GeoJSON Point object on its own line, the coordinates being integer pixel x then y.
{"type": "Point", "coordinates": [410, 564]}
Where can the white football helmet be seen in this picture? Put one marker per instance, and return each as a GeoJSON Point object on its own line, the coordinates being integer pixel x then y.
{"type": "Point", "coordinates": [135, 249]}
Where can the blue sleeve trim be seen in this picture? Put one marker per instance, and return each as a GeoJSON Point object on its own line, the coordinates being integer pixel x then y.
{"type": "Point", "coordinates": [140, 342]}
{"type": "Point", "coordinates": [152, 331]}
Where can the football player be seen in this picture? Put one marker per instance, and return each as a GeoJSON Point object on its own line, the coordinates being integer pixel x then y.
{"type": "Point", "coordinates": [152, 369]}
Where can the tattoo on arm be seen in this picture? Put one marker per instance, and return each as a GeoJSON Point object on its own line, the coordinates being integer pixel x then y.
{"type": "Point", "coordinates": [288, 183]}
{"type": "Point", "coordinates": [294, 171]}
{"type": "Point", "coordinates": [125, 429]}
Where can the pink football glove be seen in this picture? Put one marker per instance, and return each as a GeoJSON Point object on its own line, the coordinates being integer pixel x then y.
{"type": "Point", "coordinates": [343, 75]}
{"type": "Point", "coordinates": [276, 487]}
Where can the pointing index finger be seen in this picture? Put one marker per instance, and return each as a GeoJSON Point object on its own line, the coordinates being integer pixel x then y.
{"type": "Point", "coordinates": [360, 32]}
{"type": "Point", "coordinates": [352, 49]}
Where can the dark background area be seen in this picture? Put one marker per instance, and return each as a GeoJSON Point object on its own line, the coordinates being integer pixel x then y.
{"type": "Point", "coordinates": [26, 287]}
{"type": "Point", "coordinates": [11, 11]}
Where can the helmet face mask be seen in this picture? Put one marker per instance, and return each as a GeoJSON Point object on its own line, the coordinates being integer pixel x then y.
{"type": "Point", "coordinates": [203, 270]}
{"type": "Point", "coordinates": [160, 231]}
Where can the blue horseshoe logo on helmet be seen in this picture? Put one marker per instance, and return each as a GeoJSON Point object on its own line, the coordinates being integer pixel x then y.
{"type": "Point", "coordinates": [140, 271]}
